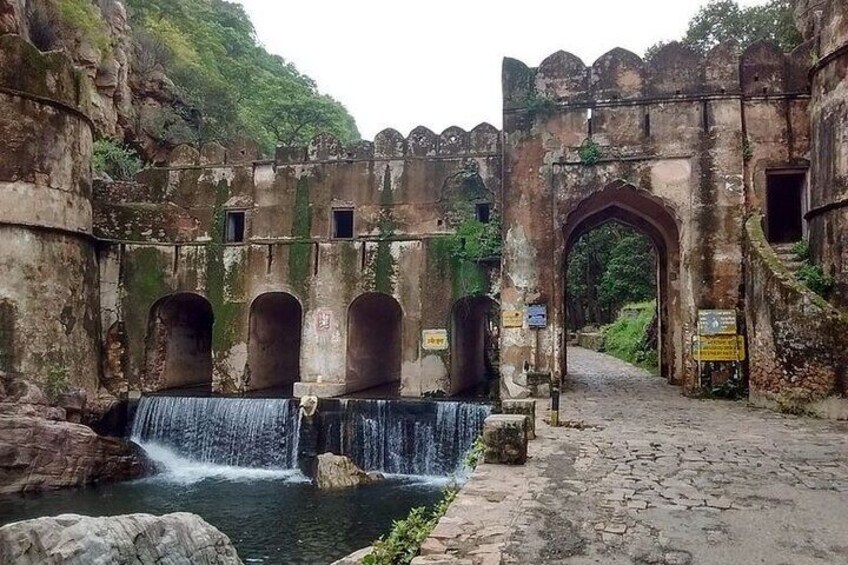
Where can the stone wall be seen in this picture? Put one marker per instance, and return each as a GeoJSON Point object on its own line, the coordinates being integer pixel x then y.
{"type": "Point", "coordinates": [409, 195]}
{"type": "Point", "coordinates": [48, 295]}
{"type": "Point", "coordinates": [797, 342]}
{"type": "Point", "coordinates": [659, 144]}
{"type": "Point", "coordinates": [826, 26]}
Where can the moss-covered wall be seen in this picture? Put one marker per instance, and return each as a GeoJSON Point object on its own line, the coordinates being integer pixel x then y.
{"type": "Point", "coordinates": [404, 196]}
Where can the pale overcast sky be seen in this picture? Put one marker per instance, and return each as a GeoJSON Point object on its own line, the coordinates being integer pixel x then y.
{"type": "Point", "coordinates": [437, 63]}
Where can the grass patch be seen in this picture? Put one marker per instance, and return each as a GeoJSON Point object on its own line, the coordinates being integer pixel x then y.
{"type": "Point", "coordinates": [628, 338]}
{"type": "Point", "coordinates": [404, 541]}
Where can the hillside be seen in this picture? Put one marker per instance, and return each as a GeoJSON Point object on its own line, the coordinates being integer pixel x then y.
{"type": "Point", "coordinates": [165, 72]}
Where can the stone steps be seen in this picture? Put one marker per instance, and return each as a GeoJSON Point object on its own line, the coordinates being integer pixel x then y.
{"type": "Point", "coordinates": [788, 257]}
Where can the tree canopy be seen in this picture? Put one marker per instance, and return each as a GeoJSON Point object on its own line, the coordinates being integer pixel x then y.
{"type": "Point", "coordinates": [724, 20]}
{"type": "Point", "coordinates": [208, 48]}
{"type": "Point", "coordinates": [608, 267]}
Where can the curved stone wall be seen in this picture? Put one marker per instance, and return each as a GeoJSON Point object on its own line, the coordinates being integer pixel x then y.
{"type": "Point", "coordinates": [50, 280]}
{"type": "Point", "coordinates": [798, 343]}
{"type": "Point", "coordinates": [828, 216]}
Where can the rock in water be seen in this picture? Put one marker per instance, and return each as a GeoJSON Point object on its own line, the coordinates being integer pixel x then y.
{"type": "Point", "coordinates": [337, 471]}
{"type": "Point", "coordinates": [142, 539]}
{"type": "Point", "coordinates": [38, 454]}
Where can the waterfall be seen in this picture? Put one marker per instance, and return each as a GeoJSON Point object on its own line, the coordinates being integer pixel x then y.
{"type": "Point", "coordinates": [404, 437]}
{"type": "Point", "coordinates": [233, 432]}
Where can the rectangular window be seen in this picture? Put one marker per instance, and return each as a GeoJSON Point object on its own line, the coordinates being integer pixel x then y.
{"type": "Point", "coordinates": [343, 224]}
{"type": "Point", "coordinates": [484, 212]}
{"type": "Point", "coordinates": [785, 206]}
{"type": "Point", "coordinates": [235, 227]}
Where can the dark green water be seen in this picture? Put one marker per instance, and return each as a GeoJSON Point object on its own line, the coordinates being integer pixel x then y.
{"type": "Point", "coordinates": [271, 517]}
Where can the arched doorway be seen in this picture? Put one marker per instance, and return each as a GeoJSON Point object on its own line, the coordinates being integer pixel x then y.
{"type": "Point", "coordinates": [374, 341]}
{"type": "Point", "coordinates": [179, 342]}
{"type": "Point", "coordinates": [625, 204]}
{"type": "Point", "coordinates": [474, 339]}
{"type": "Point", "coordinates": [273, 344]}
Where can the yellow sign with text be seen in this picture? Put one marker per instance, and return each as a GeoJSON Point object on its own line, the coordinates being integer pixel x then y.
{"type": "Point", "coordinates": [512, 319]}
{"type": "Point", "coordinates": [719, 348]}
{"type": "Point", "coordinates": [434, 340]}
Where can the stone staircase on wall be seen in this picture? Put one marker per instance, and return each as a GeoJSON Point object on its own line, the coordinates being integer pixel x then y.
{"type": "Point", "coordinates": [788, 257]}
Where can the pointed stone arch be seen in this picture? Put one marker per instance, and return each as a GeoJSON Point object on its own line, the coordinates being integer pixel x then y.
{"type": "Point", "coordinates": [626, 204]}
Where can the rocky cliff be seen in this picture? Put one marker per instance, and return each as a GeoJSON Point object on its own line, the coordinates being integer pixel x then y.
{"type": "Point", "coordinates": [43, 448]}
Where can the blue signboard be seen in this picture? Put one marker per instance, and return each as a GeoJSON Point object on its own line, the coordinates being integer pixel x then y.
{"type": "Point", "coordinates": [537, 316]}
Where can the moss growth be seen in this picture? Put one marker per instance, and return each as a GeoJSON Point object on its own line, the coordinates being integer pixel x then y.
{"type": "Point", "coordinates": [218, 281]}
{"type": "Point", "coordinates": [300, 252]}
{"type": "Point", "coordinates": [382, 266]}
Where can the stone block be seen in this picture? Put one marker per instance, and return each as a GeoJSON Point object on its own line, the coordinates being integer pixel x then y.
{"type": "Point", "coordinates": [525, 407]}
{"type": "Point", "coordinates": [505, 436]}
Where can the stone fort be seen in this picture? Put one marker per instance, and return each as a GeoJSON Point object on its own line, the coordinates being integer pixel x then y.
{"type": "Point", "coordinates": [333, 269]}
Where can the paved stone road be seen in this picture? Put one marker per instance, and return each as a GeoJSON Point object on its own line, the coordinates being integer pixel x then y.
{"type": "Point", "coordinates": [657, 478]}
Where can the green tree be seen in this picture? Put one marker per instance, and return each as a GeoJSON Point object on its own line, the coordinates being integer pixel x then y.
{"type": "Point", "coordinates": [608, 267]}
{"type": "Point", "coordinates": [724, 20]}
{"type": "Point", "coordinates": [232, 86]}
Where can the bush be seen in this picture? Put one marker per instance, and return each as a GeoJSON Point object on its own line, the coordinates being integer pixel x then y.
{"type": "Point", "coordinates": [475, 454]}
{"type": "Point", "coordinates": [628, 338]}
{"type": "Point", "coordinates": [802, 250]}
{"type": "Point", "coordinates": [85, 17]}
{"type": "Point", "coordinates": [57, 382]}
{"type": "Point", "coordinates": [115, 160]}
{"type": "Point", "coordinates": [404, 541]}
{"type": "Point", "coordinates": [589, 152]}
{"type": "Point", "coordinates": [814, 278]}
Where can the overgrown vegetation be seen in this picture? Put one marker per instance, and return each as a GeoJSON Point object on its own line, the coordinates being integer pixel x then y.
{"type": "Point", "coordinates": [812, 276]}
{"type": "Point", "coordinates": [475, 454]}
{"type": "Point", "coordinates": [724, 20]}
{"type": "Point", "coordinates": [115, 160]}
{"type": "Point", "coordinates": [608, 267]}
{"type": "Point", "coordinates": [589, 153]}
{"type": "Point", "coordinates": [404, 541]}
{"type": "Point", "coordinates": [56, 382]}
{"type": "Point", "coordinates": [208, 48]}
{"type": "Point", "coordinates": [84, 16]}
{"type": "Point", "coordinates": [632, 337]}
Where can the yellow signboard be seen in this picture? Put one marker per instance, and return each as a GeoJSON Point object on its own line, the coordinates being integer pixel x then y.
{"type": "Point", "coordinates": [512, 319]}
{"type": "Point", "coordinates": [719, 348]}
{"type": "Point", "coordinates": [434, 340]}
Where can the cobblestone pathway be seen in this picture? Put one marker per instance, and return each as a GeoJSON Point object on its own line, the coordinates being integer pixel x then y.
{"type": "Point", "coordinates": [661, 478]}
{"type": "Point", "coordinates": [656, 478]}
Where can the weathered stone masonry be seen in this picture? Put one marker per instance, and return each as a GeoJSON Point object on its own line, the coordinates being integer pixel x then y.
{"type": "Point", "coordinates": [48, 288]}
{"type": "Point", "coordinates": [321, 268]}
{"type": "Point", "coordinates": [407, 195]}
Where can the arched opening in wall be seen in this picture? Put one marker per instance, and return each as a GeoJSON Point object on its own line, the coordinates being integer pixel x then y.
{"type": "Point", "coordinates": [621, 267]}
{"type": "Point", "coordinates": [474, 345]}
{"type": "Point", "coordinates": [273, 343]}
{"type": "Point", "coordinates": [179, 342]}
{"type": "Point", "coordinates": [374, 344]}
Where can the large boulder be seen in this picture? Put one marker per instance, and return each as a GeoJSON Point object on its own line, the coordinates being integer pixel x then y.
{"type": "Point", "coordinates": [337, 471]}
{"type": "Point", "coordinates": [41, 450]}
{"type": "Point", "coordinates": [142, 539]}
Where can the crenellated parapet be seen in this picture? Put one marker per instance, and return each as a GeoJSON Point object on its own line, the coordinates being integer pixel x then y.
{"type": "Point", "coordinates": [422, 142]}
{"type": "Point", "coordinates": [674, 71]}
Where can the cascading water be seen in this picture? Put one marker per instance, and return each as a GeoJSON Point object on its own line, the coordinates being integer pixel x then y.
{"type": "Point", "coordinates": [232, 432]}
{"type": "Point", "coordinates": [404, 437]}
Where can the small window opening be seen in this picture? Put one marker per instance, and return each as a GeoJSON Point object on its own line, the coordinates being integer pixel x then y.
{"type": "Point", "coordinates": [484, 212]}
{"type": "Point", "coordinates": [647, 125]}
{"type": "Point", "coordinates": [343, 224]}
{"type": "Point", "coordinates": [785, 206]}
{"type": "Point", "coordinates": [235, 227]}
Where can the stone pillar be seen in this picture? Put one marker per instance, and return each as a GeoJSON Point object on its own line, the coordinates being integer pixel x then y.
{"type": "Point", "coordinates": [525, 408]}
{"type": "Point", "coordinates": [505, 437]}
